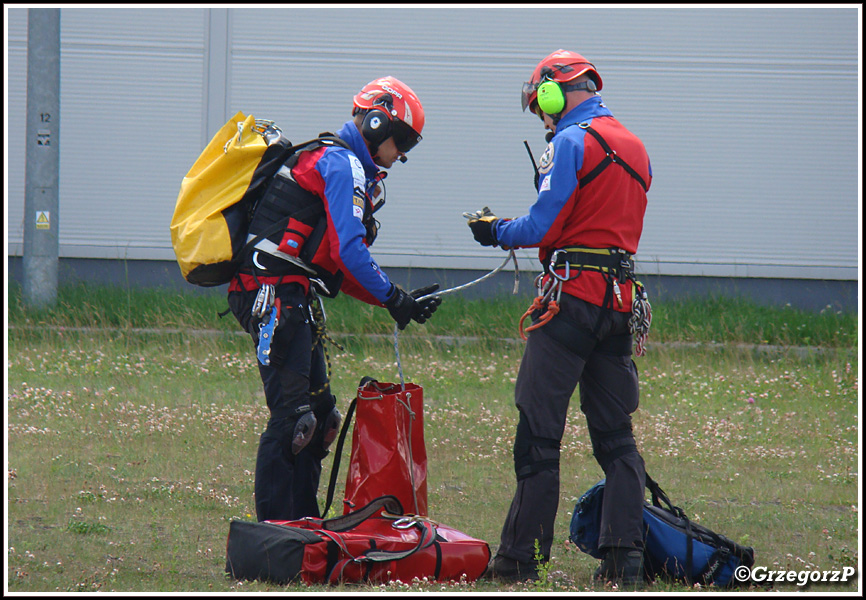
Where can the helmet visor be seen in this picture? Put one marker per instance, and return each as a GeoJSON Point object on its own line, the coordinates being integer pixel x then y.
{"type": "Point", "coordinates": [526, 93]}
{"type": "Point", "coordinates": [405, 138]}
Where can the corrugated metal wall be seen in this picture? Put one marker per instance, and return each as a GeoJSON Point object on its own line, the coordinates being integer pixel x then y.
{"type": "Point", "coordinates": [750, 116]}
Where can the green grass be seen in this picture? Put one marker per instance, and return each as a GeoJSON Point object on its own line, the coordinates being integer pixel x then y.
{"type": "Point", "coordinates": [717, 320]}
{"type": "Point", "coordinates": [131, 446]}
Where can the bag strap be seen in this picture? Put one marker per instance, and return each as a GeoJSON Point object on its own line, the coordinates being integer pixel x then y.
{"type": "Point", "coordinates": [338, 453]}
{"type": "Point", "coordinates": [659, 497]}
{"type": "Point", "coordinates": [374, 555]}
{"type": "Point", "coordinates": [719, 558]}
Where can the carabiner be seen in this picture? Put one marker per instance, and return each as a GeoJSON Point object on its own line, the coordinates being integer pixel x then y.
{"type": "Point", "coordinates": [404, 523]}
{"type": "Point", "coordinates": [550, 267]}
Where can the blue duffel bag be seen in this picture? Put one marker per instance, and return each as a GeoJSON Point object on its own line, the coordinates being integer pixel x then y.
{"type": "Point", "coordinates": [674, 547]}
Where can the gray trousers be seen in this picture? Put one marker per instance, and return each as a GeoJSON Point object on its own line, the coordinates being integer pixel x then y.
{"type": "Point", "coordinates": [549, 372]}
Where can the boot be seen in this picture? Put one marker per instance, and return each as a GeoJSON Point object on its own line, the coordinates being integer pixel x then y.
{"type": "Point", "coordinates": [508, 570]}
{"type": "Point", "coordinates": [623, 567]}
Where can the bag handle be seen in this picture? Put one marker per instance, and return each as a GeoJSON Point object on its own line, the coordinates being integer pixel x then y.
{"type": "Point", "coordinates": [354, 518]}
{"type": "Point", "coordinates": [659, 496]}
{"type": "Point", "coordinates": [717, 560]}
{"type": "Point", "coordinates": [331, 529]}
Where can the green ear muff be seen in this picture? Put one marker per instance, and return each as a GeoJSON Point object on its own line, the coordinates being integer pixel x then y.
{"type": "Point", "coordinates": [551, 98]}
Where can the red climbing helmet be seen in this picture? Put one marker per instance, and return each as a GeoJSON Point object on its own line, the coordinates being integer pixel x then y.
{"type": "Point", "coordinates": [405, 115]}
{"type": "Point", "coordinates": [561, 66]}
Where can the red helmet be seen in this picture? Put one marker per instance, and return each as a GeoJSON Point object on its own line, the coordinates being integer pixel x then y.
{"type": "Point", "coordinates": [561, 66]}
{"type": "Point", "coordinates": [395, 99]}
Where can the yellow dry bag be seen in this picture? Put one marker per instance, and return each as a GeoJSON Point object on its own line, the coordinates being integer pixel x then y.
{"type": "Point", "coordinates": [217, 197]}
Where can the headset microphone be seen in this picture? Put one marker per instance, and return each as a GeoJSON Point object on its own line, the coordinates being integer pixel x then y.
{"type": "Point", "coordinates": [403, 159]}
{"type": "Point", "coordinates": [549, 136]}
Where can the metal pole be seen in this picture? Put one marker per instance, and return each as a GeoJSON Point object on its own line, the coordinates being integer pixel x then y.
{"type": "Point", "coordinates": [41, 198]}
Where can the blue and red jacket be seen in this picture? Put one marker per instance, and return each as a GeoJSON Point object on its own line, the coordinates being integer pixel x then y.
{"type": "Point", "coordinates": [607, 212]}
{"type": "Point", "coordinates": [341, 178]}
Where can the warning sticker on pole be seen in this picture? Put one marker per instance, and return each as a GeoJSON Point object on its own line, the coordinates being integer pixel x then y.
{"type": "Point", "coordinates": [43, 219]}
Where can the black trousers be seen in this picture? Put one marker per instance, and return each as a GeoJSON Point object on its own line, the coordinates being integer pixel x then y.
{"type": "Point", "coordinates": [286, 485]}
{"type": "Point", "coordinates": [548, 374]}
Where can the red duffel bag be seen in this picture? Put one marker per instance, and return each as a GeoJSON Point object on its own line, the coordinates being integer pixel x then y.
{"type": "Point", "coordinates": [388, 451]}
{"type": "Point", "coordinates": [374, 544]}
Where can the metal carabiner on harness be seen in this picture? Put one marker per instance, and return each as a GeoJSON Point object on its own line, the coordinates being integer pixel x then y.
{"type": "Point", "coordinates": [552, 266]}
{"type": "Point", "coordinates": [617, 291]}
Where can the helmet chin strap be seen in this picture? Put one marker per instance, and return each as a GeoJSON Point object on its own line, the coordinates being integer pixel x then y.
{"type": "Point", "coordinates": [373, 148]}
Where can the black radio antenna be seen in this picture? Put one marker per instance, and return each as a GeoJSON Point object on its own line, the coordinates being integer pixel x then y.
{"type": "Point", "coordinates": [534, 165]}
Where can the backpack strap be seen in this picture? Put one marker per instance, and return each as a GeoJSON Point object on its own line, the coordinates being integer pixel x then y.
{"type": "Point", "coordinates": [658, 496]}
{"type": "Point", "coordinates": [292, 152]}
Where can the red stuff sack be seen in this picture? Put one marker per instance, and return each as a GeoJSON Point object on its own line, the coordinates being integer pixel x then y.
{"type": "Point", "coordinates": [388, 452]}
{"type": "Point", "coordinates": [374, 544]}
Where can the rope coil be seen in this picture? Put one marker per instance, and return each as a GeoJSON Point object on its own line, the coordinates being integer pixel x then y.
{"type": "Point", "coordinates": [641, 318]}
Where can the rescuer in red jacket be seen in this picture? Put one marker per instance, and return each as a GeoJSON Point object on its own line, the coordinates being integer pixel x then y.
{"type": "Point", "coordinates": [315, 225]}
{"type": "Point", "coordinates": [586, 222]}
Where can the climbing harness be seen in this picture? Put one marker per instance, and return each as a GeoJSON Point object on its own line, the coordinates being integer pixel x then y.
{"type": "Point", "coordinates": [616, 265]}
{"type": "Point", "coordinates": [267, 307]}
{"type": "Point", "coordinates": [610, 158]}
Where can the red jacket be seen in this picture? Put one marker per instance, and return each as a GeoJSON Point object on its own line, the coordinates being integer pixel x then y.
{"type": "Point", "coordinates": [606, 212]}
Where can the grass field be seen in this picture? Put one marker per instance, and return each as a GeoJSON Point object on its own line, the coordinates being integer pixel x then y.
{"type": "Point", "coordinates": [133, 420]}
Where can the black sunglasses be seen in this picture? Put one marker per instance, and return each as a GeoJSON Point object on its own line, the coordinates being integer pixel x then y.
{"type": "Point", "coordinates": [405, 138]}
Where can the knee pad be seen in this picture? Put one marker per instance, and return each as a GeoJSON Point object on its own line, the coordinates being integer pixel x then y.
{"type": "Point", "coordinates": [533, 454]}
{"type": "Point", "coordinates": [611, 445]}
{"type": "Point", "coordinates": [294, 432]}
{"type": "Point", "coordinates": [330, 418]}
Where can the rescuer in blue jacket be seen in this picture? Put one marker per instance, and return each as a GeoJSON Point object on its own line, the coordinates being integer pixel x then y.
{"type": "Point", "coordinates": [327, 195]}
{"type": "Point", "coordinates": [586, 222]}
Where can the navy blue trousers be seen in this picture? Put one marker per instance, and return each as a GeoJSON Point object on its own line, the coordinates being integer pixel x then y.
{"type": "Point", "coordinates": [286, 485]}
{"type": "Point", "coordinates": [548, 375]}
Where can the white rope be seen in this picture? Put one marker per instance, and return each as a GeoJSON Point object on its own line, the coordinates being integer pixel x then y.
{"type": "Point", "coordinates": [511, 256]}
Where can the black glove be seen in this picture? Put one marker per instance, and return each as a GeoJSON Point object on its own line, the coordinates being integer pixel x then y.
{"type": "Point", "coordinates": [405, 307]}
{"type": "Point", "coordinates": [483, 224]}
{"type": "Point", "coordinates": [425, 308]}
